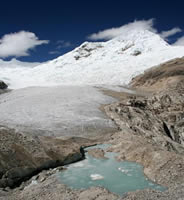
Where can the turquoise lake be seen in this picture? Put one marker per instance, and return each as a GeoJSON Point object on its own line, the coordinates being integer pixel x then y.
{"type": "Point", "coordinates": [117, 177]}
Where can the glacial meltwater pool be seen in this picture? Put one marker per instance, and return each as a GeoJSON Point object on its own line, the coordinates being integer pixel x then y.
{"type": "Point", "coordinates": [117, 177]}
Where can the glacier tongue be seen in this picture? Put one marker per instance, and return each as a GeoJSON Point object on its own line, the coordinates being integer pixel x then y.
{"type": "Point", "coordinates": [59, 111]}
{"type": "Point", "coordinates": [113, 62]}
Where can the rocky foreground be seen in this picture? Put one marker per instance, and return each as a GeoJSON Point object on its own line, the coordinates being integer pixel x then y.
{"type": "Point", "coordinates": [151, 132]}
{"type": "Point", "coordinates": [23, 155]}
{"type": "Point", "coordinates": [152, 129]}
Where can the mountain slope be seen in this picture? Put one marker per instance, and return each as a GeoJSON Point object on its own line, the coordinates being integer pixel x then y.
{"type": "Point", "coordinates": [113, 62]}
{"type": "Point", "coordinates": [162, 77]}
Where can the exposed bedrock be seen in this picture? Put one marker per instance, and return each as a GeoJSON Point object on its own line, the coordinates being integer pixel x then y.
{"type": "Point", "coordinates": [3, 85]}
{"type": "Point", "coordinates": [159, 118]}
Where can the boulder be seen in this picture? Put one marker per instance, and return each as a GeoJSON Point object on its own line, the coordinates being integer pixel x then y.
{"type": "Point", "coordinates": [97, 153]}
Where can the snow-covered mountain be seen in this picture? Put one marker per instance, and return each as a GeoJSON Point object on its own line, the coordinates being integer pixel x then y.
{"type": "Point", "coordinates": [113, 62]}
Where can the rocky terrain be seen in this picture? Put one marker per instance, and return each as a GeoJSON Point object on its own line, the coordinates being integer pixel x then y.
{"type": "Point", "coordinates": [151, 132]}
{"type": "Point", "coordinates": [152, 129]}
{"type": "Point", "coordinates": [160, 78]}
{"type": "Point", "coordinates": [48, 187]}
{"type": "Point", "coordinates": [23, 155]}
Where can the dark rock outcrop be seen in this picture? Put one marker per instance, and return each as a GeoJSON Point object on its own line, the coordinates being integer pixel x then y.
{"type": "Point", "coordinates": [3, 85]}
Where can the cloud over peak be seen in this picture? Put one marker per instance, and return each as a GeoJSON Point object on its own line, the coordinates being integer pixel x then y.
{"type": "Point", "coordinates": [114, 32]}
{"type": "Point", "coordinates": [173, 31]}
{"type": "Point", "coordinates": [179, 42]}
{"type": "Point", "coordinates": [19, 43]}
{"type": "Point", "coordinates": [63, 44]}
{"type": "Point", "coordinates": [108, 34]}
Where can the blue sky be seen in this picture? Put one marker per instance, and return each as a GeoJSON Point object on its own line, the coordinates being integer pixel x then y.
{"type": "Point", "coordinates": [63, 25]}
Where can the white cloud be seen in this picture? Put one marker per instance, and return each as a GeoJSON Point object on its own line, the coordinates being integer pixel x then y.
{"type": "Point", "coordinates": [60, 45]}
{"type": "Point", "coordinates": [136, 25]}
{"type": "Point", "coordinates": [173, 31]}
{"type": "Point", "coordinates": [54, 52]}
{"type": "Point", "coordinates": [179, 42]}
{"type": "Point", "coordinates": [63, 44]}
{"type": "Point", "coordinates": [114, 32]}
{"type": "Point", "coordinates": [18, 44]}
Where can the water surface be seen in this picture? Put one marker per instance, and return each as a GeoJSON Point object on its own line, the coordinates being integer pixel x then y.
{"type": "Point", "coordinates": [117, 177]}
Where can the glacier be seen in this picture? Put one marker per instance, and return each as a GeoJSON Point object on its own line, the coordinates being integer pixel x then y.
{"type": "Point", "coordinates": [58, 111]}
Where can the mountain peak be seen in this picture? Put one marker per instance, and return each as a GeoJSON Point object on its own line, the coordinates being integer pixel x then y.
{"type": "Point", "coordinates": [143, 39]}
{"type": "Point", "coordinates": [114, 62]}
{"type": "Point", "coordinates": [136, 34]}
